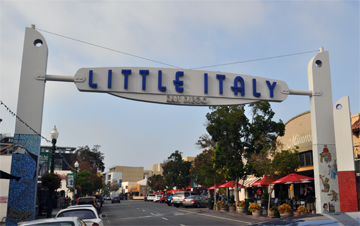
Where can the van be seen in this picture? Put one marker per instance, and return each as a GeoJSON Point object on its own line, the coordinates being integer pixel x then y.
{"type": "Point", "coordinates": [179, 197]}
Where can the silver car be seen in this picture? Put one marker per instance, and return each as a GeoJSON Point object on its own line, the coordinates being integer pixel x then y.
{"type": "Point", "coordinates": [179, 197]}
{"type": "Point", "coordinates": [63, 221]}
{"type": "Point", "coordinates": [195, 201]}
{"type": "Point", "coordinates": [88, 214]}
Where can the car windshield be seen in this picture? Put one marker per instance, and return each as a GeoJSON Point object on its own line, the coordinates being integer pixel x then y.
{"type": "Point", "coordinates": [191, 197]}
{"type": "Point", "coordinates": [83, 214]}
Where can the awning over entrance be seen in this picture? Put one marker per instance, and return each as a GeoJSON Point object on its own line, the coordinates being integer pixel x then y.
{"type": "Point", "coordinates": [249, 180]}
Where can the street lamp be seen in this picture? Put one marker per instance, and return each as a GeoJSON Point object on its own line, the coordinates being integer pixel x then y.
{"type": "Point", "coordinates": [76, 168]}
{"type": "Point", "coordinates": [54, 135]}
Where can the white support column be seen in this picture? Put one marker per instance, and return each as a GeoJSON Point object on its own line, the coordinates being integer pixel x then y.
{"type": "Point", "coordinates": [345, 156]}
{"type": "Point", "coordinates": [322, 125]}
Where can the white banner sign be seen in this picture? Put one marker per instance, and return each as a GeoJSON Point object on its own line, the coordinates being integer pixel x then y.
{"type": "Point", "coordinates": [180, 87]}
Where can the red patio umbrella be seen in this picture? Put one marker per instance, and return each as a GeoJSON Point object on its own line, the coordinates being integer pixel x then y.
{"type": "Point", "coordinates": [217, 186]}
{"type": "Point", "coordinates": [230, 184]}
{"type": "Point", "coordinates": [264, 181]}
{"type": "Point", "coordinates": [188, 187]}
{"type": "Point", "coordinates": [292, 178]}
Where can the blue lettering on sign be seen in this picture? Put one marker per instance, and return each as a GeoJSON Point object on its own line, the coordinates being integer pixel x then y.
{"type": "Point", "coordinates": [144, 73]}
{"type": "Point", "coordinates": [256, 94]}
{"type": "Point", "coordinates": [221, 78]}
{"type": "Point", "coordinates": [205, 83]}
{"type": "Point", "coordinates": [109, 78]}
{"type": "Point", "coordinates": [179, 83]}
{"type": "Point", "coordinates": [236, 88]}
{"type": "Point", "coordinates": [160, 87]}
{"type": "Point", "coordinates": [126, 73]}
{"type": "Point", "coordinates": [271, 87]}
{"type": "Point", "coordinates": [91, 84]}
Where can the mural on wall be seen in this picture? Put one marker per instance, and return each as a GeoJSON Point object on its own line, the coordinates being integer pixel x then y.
{"type": "Point", "coordinates": [328, 178]}
{"type": "Point", "coordinates": [22, 193]}
{"type": "Point", "coordinates": [325, 155]}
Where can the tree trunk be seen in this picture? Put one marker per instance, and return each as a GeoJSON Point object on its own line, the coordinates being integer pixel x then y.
{"type": "Point", "coordinates": [271, 190]}
{"type": "Point", "coordinates": [236, 191]}
{"type": "Point", "coordinates": [214, 192]}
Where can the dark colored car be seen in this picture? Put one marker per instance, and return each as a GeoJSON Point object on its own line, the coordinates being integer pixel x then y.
{"type": "Point", "coordinates": [100, 198]}
{"type": "Point", "coordinates": [115, 199]}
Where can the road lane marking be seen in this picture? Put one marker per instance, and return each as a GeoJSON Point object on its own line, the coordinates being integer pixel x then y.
{"type": "Point", "coordinates": [143, 210]}
{"type": "Point", "coordinates": [164, 218]}
{"type": "Point", "coordinates": [219, 217]}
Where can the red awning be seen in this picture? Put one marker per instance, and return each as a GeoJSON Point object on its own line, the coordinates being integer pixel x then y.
{"type": "Point", "coordinates": [188, 187]}
{"type": "Point", "coordinates": [230, 184]}
{"type": "Point", "coordinates": [262, 182]}
{"type": "Point", "coordinates": [217, 186]}
{"type": "Point", "coordinates": [292, 178]}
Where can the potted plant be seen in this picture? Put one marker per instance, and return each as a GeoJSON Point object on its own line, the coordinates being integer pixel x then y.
{"type": "Point", "coordinates": [223, 206]}
{"type": "Point", "coordinates": [241, 207]}
{"type": "Point", "coordinates": [302, 210]}
{"type": "Point", "coordinates": [285, 210]}
{"type": "Point", "coordinates": [218, 205]}
{"type": "Point", "coordinates": [274, 212]}
{"type": "Point", "coordinates": [232, 207]}
{"type": "Point", "coordinates": [255, 209]}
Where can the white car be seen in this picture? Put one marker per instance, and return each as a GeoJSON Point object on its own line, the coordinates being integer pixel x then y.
{"type": "Point", "coordinates": [87, 213]}
{"type": "Point", "coordinates": [63, 221]}
{"type": "Point", "coordinates": [150, 197]}
{"type": "Point", "coordinates": [157, 198]}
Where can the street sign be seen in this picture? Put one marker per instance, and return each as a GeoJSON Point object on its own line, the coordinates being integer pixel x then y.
{"type": "Point", "coordinates": [180, 87]}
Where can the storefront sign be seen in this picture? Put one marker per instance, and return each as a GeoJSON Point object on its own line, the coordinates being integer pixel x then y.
{"type": "Point", "coordinates": [180, 87]}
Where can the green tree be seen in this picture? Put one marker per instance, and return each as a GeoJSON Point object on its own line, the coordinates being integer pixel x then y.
{"type": "Point", "coordinates": [98, 181]}
{"type": "Point", "coordinates": [84, 179]}
{"type": "Point", "coordinates": [176, 171]}
{"type": "Point", "coordinates": [93, 157]}
{"type": "Point", "coordinates": [51, 181]}
{"type": "Point", "coordinates": [156, 182]}
{"type": "Point", "coordinates": [237, 137]}
{"type": "Point", "coordinates": [203, 172]}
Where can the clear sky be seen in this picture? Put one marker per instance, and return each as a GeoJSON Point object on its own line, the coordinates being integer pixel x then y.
{"type": "Point", "coordinates": [187, 34]}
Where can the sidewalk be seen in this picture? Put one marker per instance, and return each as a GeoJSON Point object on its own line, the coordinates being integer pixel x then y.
{"type": "Point", "coordinates": [54, 212]}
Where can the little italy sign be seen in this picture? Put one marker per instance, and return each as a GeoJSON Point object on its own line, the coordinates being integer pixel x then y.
{"type": "Point", "coordinates": [180, 87]}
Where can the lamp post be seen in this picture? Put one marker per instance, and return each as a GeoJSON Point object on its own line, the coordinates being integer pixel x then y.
{"type": "Point", "coordinates": [76, 168]}
{"type": "Point", "coordinates": [54, 135]}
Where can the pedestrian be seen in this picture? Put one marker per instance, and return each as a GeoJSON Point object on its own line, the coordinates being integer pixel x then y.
{"type": "Point", "coordinates": [223, 197]}
{"type": "Point", "coordinates": [62, 202]}
{"type": "Point", "coordinates": [170, 199]}
{"type": "Point", "coordinates": [309, 198]}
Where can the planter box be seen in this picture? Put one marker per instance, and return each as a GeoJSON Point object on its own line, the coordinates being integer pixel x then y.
{"type": "Point", "coordinates": [232, 208]}
{"type": "Point", "coordinates": [297, 214]}
{"type": "Point", "coordinates": [257, 213]}
{"type": "Point", "coordinates": [240, 209]}
{"type": "Point", "coordinates": [224, 208]}
{"type": "Point", "coordinates": [286, 214]}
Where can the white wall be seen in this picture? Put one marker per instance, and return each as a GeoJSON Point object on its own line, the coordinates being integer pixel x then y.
{"type": "Point", "coordinates": [5, 165]}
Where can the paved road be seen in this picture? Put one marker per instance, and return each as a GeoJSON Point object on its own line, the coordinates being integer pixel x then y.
{"type": "Point", "coordinates": [147, 213]}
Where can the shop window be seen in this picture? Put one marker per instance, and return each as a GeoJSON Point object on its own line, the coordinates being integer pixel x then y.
{"type": "Point", "coordinates": [306, 158]}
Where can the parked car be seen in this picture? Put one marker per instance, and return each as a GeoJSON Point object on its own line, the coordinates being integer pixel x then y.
{"type": "Point", "coordinates": [179, 197]}
{"type": "Point", "coordinates": [63, 221]}
{"type": "Point", "coordinates": [89, 200]}
{"type": "Point", "coordinates": [150, 197]}
{"type": "Point", "coordinates": [100, 198]}
{"type": "Point", "coordinates": [164, 198]}
{"type": "Point", "coordinates": [195, 201]}
{"type": "Point", "coordinates": [115, 199]}
{"type": "Point", "coordinates": [157, 198]}
{"type": "Point", "coordinates": [88, 214]}
{"type": "Point", "coordinates": [107, 198]}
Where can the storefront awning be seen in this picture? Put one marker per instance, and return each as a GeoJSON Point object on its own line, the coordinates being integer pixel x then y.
{"type": "Point", "coordinates": [249, 180]}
